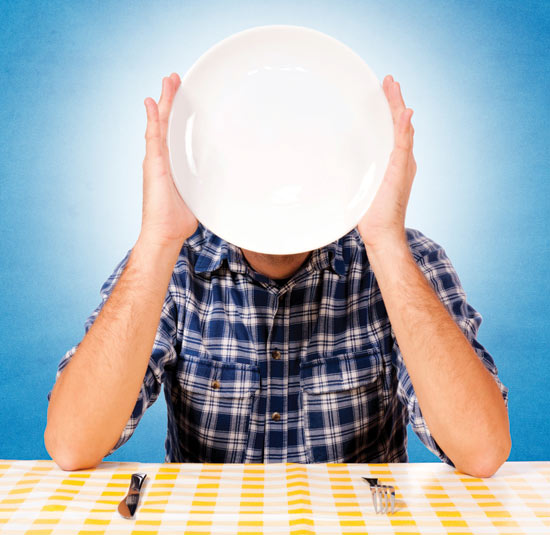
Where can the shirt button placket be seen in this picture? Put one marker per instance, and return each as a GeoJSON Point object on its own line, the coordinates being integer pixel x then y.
{"type": "Point", "coordinates": [276, 425]}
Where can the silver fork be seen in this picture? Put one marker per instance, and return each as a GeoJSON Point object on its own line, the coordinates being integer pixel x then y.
{"type": "Point", "coordinates": [383, 496]}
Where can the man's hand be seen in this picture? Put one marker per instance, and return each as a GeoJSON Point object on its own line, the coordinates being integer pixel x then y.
{"type": "Point", "coordinates": [384, 222]}
{"type": "Point", "coordinates": [106, 374]}
{"type": "Point", "coordinates": [166, 218]}
{"type": "Point", "coordinates": [459, 399]}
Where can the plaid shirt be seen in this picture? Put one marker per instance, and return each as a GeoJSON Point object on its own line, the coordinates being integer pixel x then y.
{"type": "Point", "coordinates": [307, 370]}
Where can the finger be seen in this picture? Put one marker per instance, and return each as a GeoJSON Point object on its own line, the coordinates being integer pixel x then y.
{"type": "Point", "coordinates": [153, 145]}
{"type": "Point", "coordinates": [176, 78]}
{"type": "Point", "coordinates": [395, 100]}
{"type": "Point", "coordinates": [169, 86]}
{"type": "Point", "coordinates": [402, 149]}
{"type": "Point", "coordinates": [397, 96]}
{"type": "Point", "coordinates": [403, 133]}
{"type": "Point", "coordinates": [388, 79]}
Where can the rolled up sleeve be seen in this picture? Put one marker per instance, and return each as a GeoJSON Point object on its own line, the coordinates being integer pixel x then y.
{"type": "Point", "coordinates": [162, 354]}
{"type": "Point", "coordinates": [441, 275]}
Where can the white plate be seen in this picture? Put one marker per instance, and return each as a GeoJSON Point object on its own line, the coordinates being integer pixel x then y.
{"type": "Point", "coordinates": [279, 137]}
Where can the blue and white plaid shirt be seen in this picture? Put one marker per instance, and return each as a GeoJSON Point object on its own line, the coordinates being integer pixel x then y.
{"type": "Point", "coordinates": [309, 370]}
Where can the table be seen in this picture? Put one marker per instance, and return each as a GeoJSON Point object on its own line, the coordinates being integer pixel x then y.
{"type": "Point", "coordinates": [37, 497]}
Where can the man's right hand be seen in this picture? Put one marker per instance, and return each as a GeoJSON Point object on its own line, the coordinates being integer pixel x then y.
{"type": "Point", "coordinates": [94, 397]}
{"type": "Point", "coordinates": [166, 219]}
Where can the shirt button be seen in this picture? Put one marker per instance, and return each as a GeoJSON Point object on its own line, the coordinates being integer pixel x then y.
{"type": "Point", "coordinates": [276, 354]}
{"type": "Point", "coordinates": [276, 416]}
{"type": "Point", "coordinates": [215, 385]}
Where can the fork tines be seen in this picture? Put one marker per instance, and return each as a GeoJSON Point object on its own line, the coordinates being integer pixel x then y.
{"type": "Point", "coordinates": [383, 496]}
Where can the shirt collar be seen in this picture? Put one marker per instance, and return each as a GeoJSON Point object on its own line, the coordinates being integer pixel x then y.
{"type": "Point", "coordinates": [211, 251]}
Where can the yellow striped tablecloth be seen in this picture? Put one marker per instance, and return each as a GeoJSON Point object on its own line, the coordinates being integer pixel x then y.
{"type": "Point", "coordinates": [36, 497]}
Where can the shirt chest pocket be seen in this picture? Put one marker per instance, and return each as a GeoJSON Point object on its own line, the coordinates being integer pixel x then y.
{"type": "Point", "coordinates": [342, 406]}
{"type": "Point", "coordinates": [214, 409]}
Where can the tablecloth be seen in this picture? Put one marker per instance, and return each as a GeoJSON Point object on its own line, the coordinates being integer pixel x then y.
{"type": "Point", "coordinates": [37, 497]}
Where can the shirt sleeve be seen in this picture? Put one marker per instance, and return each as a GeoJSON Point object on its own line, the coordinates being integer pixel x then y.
{"type": "Point", "coordinates": [441, 275]}
{"type": "Point", "coordinates": [163, 353]}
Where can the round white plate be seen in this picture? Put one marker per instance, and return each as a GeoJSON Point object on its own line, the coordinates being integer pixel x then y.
{"type": "Point", "coordinates": [279, 137]}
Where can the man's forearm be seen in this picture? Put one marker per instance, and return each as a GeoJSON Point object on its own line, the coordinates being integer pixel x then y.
{"type": "Point", "coordinates": [460, 401]}
{"type": "Point", "coordinates": [95, 394]}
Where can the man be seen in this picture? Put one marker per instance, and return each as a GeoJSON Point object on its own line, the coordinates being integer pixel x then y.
{"type": "Point", "coordinates": [323, 356]}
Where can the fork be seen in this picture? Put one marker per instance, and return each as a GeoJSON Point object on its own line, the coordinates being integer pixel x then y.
{"type": "Point", "coordinates": [383, 496]}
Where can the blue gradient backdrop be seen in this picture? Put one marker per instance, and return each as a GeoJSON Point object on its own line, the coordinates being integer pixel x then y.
{"type": "Point", "coordinates": [73, 79]}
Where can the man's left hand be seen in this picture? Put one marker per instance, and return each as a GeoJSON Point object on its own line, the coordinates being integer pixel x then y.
{"type": "Point", "coordinates": [384, 223]}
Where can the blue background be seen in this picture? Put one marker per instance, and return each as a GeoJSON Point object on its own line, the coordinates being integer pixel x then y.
{"type": "Point", "coordinates": [73, 79]}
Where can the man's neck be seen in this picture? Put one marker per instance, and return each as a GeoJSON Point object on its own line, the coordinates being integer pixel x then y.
{"type": "Point", "coordinates": [275, 266]}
